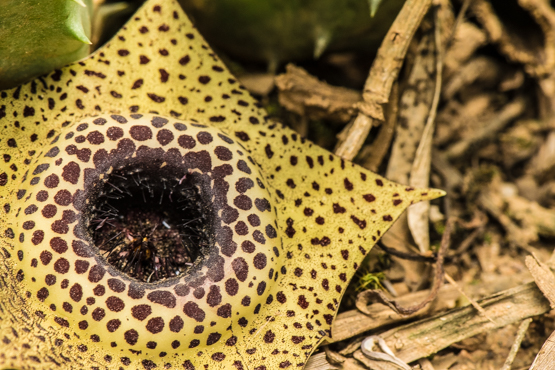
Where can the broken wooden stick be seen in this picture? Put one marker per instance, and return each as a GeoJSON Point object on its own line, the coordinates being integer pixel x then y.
{"type": "Point", "coordinates": [425, 337]}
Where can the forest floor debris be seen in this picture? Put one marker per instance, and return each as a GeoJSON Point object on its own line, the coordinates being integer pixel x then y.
{"type": "Point", "coordinates": [493, 150]}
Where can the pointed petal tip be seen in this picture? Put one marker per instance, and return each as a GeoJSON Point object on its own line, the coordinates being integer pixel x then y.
{"type": "Point", "coordinates": [428, 194]}
{"type": "Point", "coordinates": [422, 194]}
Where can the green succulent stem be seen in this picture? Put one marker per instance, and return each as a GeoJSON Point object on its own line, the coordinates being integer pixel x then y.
{"type": "Point", "coordinates": [38, 37]}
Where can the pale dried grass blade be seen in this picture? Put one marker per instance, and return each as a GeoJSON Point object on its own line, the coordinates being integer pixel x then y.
{"type": "Point", "coordinates": [420, 172]}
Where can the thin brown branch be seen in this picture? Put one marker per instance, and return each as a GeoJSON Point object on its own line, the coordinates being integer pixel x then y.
{"type": "Point", "coordinates": [472, 301]}
{"type": "Point", "coordinates": [354, 322]}
{"type": "Point", "coordinates": [377, 295]}
{"type": "Point", "coordinates": [384, 71]}
{"type": "Point", "coordinates": [406, 256]}
{"type": "Point", "coordinates": [489, 131]}
{"type": "Point", "coordinates": [373, 155]}
{"type": "Point", "coordinates": [438, 279]}
{"type": "Point", "coordinates": [522, 329]}
{"type": "Point", "coordinates": [305, 95]}
{"type": "Point", "coordinates": [458, 21]}
{"type": "Point", "coordinates": [430, 335]}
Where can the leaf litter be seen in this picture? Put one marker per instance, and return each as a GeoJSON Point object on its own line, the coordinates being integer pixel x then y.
{"type": "Point", "coordinates": [491, 145]}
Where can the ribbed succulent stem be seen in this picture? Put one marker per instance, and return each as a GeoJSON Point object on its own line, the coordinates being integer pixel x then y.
{"type": "Point", "coordinates": [39, 36]}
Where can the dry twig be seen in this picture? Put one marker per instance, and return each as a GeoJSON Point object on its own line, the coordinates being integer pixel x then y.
{"type": "Point", "coordinates": [546, 283]}
{"type": "Point", "coordinates": [305, 95]}
{"type": "Point", "coordinates": [383, 73]}
{"type": "Point", "coordinates": [522, 329]}
{"type": "Point", "coordinates": [510, 112]}
{"type": "Point", "coordinates": [373, 155]}
{"type": "Point", "coordinates": [543, 277]}
{"type": "Point", "coordinates": [351, 323]}
{"type": "Point", "coordinates": [472, 301]}
{"type": "Point", "coordinates": [438, 279]}
{"type": "Point", "coordinates": [428, 336]}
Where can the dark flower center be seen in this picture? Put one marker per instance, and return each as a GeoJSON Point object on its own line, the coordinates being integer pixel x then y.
{"type": "Point", "coordinates": [151, 224]}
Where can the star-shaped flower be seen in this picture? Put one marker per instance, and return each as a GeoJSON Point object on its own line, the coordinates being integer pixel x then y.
{"type": "Point", "coordinates": [153, 217]}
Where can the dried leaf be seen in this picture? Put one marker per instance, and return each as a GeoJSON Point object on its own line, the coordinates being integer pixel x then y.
{"type": "Point", "coordinates": [418, 219]}
{"type": "Point", "coordinates": [543, 277]}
